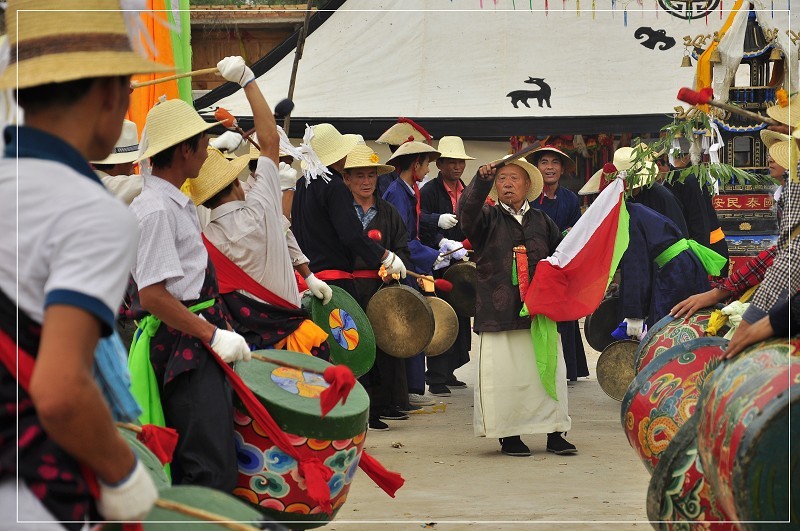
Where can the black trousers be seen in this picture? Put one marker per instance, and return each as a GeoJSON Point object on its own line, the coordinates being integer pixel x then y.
{"type": "Point", "coordinates": [385, 383]}
{"type": "Point", "coordinates": [199, 405]}
{"type": "Point", "coordinates": [572, 345]}
{"type": "Point", "coordinates": [441, 367]}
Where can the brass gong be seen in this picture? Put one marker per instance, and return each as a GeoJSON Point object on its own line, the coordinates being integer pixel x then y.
{"type": "Point", "coordinates": [599, 325]}
{"type": "Point", "coordinates": [445, 327]}
{"type": "Point", "coordinates": [402, 320]}
{"type": "Point", "coordinates": [615, 368]}
{"type": "Point", "coordinates": [464, 277]}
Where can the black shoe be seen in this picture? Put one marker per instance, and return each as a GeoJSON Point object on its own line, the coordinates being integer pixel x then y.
{"type": "Point", "coordinates": [390, 413]}
{"type": "Point", "coordinates": [408, 408]}
{"type": "Point", "coordinates": [438, 390]}
{"type": "Point", "coordinates": [455, 384]}
{"type": "Point", "coordinates": [559, 445]}
{"type": "Point", "coordinates": [514, 446]}
{"type": "Point", "coordinates": [378, 425]}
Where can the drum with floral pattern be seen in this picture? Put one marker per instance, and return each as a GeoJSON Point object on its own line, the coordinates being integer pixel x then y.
{"type": "Point", "coordinates": [669, 332]}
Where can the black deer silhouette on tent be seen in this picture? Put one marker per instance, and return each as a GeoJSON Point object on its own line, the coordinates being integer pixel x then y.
{"type": "Point", "coordinates": [542, 95]}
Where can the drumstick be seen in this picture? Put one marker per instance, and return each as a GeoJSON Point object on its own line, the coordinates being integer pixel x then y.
{"type": "Point", "coordinates": [438, 283]}
{"type": "Point", "coordinates": [138, 84]}
{"type": "Point", "coordinates": [706, 97]}
{"type": "Point", "coordinates": [261, 357]}
{"type": "Point", "coordinates": [129, 426]}
{"type": "Point", "coordinates": [448, 253]}
{"type": "Point", "coordinates": [518, 155]}
{"type": "Point", "coordinates": [229, 121]}
{"type": "Point", "coordinates": [202, 514]}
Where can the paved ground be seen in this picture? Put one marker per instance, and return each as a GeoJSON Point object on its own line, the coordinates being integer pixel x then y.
{"type": "Point", "coordinates": [459, 481]}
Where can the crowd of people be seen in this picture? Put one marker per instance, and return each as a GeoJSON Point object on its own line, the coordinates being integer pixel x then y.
{"type": "Point", "coordinates": [76, 259]}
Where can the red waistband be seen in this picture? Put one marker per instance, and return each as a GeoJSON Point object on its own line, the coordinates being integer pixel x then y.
{"type": "Point", "coordinates": [366, 273]}
{"type": "Point", "coordinates": [333, 274]}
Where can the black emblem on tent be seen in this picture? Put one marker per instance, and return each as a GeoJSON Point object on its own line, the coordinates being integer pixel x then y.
{"type": "Point", "coordinates": [542, 95]}
{"type": "Point", "coordinates": [689, 9]}
{"type": "Point", "coordinates": [653, 38]}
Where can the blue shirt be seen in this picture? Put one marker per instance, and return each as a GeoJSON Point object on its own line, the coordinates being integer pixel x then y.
{"type": "Point", "coordinates": [400, 195]}
{"type": "Point", "coordinates": [564, 208]}
{"type": "Point", "coordinates": [365, 217]}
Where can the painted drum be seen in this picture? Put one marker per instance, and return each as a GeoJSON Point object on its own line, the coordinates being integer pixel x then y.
{"type": "Point", "coordinates": [743, 433]}
{"type": "Point", "coordinates": [669, 332]}
{"type": "Point", "coordinates": [148, 458]}
{"type": "Point", "coordinates": [599, 325]}
{"type": "Point", "coordinates": [402, 320]}
{"type": "Point", "coordinates": [680, 496]}
{"type": "Point", "coordinates": [615, 368]}
{"type": "Point", "coordinates": [268, 478]}
{"type": "Point", "coordinates": [179, 506]}
{"type": "Point", "coordinates": [350, 336]}
{"type": "Point", "coordinates": [663, 396]}
{"type": "Point", "coordinates": [445, 330]}
{"type": "Point", "coordinates": [464, 277]}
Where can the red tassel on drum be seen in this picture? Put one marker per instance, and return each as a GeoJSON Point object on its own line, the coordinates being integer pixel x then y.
{"type": "Point", "coordinates": [341, 381]}
{"type": "Point", "coordinates": [389, 481]}
{"type": "Point", "coordinates": [317, 475]}
{"type": "Point", "coordinates": [159, 440]}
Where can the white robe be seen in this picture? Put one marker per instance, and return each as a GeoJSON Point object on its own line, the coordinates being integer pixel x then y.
{"type": "Point", "coordinates": [509, 396]}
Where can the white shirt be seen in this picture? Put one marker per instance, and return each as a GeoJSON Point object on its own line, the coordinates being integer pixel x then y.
{"type": "Point", "coordinates": [170, 246]}
{"type": "Point", "coordinates": [251, 233]}
{"type": "Point", "coordinates": [518, 214]}
{"type": "Point", "coordinates": [74, 243]}
{"type": "Point", "coordinates": [126, 187]}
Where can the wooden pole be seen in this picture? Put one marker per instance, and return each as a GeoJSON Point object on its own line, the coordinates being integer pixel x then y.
{"type": "Point", "coordinates": [136, 85]}
{"type": "Point", "coordinates": [201, 514]}
{"type": "Point", "coordinates": [301, 41]}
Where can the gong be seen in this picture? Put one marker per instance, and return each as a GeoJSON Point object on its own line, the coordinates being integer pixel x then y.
{"type": "Point", "coordinates": [464, 278]}
{"type": "Point", "coordinates": [615, 368]}
{"type": "Point", "coordinates": [445, 329]}
{"type": "Point", "coordinates": [601, 323]}
{"type": "Point", "coordinates": [402, 320]}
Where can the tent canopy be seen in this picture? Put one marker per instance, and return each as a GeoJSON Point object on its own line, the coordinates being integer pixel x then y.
{"type": "Point", "coordinates": [469, 67]}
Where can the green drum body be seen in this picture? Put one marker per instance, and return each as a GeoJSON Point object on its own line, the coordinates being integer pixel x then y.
{"type": "Point", "coordinates": [680, 497]}
{"type": "Point", "coordinates": [148, 458]}
{"type": "Point", "coordinates": [220, 505]}
{"type": "Point", "coordinates": [350, 336]}
{"type": "Point", "coordinates": [669, 332]}
{"type": "Point", "coordinates": [663, 396]}
{"type": "Point", "coordinates": [268, 477]}
{"type": "Point", "coordinates": [745, 414]}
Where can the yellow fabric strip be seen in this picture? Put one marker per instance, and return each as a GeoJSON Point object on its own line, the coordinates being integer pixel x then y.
{"type": "Point", "coordinates": [307, 336]}
{"type": "Point", "coordinates": [704, 67]}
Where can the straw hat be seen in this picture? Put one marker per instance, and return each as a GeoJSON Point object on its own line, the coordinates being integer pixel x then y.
{"type": "Point", "coordinates": [330, 145]}
{"type": "Point", "coordinates": [252, 153]}
{"type": "Point", "coordinates": [646, 172]}
{"type": "Point", "coordinates": [789, 115]}
{"type": "Point", "coordinates": [414, 148]}
{"type": "Point", "coordinates": [537, 182]}
{"type": "Point", "coordinates": [76, 39]}
{"type": "Point", "coordinates": [362, 156]}
{"type": "Point", "coordinates": [452, 147]}
{"type": "Point", "coordinates": [400, 132]}
{"type": "Point", "coordinates": [127, 147]}
{"type": "Point", "coordinates": [169, 123]}
{"type": "Point", "coordinates": [771, 137]}
{"type": "Point", "coordinates": [217, 173]}
{"type": "Point", "coordinates": [569, 164]}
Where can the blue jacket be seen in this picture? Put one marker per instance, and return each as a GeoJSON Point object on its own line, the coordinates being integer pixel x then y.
{"type": "Point", "coordinates": [402, 198]}
{"type": "Point", "coordinates": [565, 209]}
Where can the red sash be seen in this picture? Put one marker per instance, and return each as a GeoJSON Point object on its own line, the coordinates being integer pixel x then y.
{"type": "Point", "coordinates": [333, 274]}
{"type": "Point", "coordinates": [230, 277]}
{"type": "Point", "coordinates": [366, 273]}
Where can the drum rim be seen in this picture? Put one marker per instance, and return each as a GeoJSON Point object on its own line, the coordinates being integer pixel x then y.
{"type": "Point", "coordinates": [440, 301]}
{"type": "Point", "coordinates": [418, 296]}
{"type": "Point", "coordinates": [190, 492]}
{"type": "Point", "coordinates": [144, 453]}
{"type": "Point", "coordinates": [658, 327]}
{"type": "Point", "coordinates": [597, 373]}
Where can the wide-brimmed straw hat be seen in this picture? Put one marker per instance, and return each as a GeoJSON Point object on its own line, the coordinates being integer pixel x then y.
{"type": "Point", "coordinates": [569, 164]}
{"type": "Point", "coordinates": [168, 123]}
{"type": "Point", "coordinates": [401, 131]}
{"type": "Point", "coordinates": [452, 147]}
{"type": "Point", "coordinates": [217, 173]}
{"type": "Point", "coordinates": [54, 42]}
{"type": "Point", "coordinates": [414, 148]}
{"type": "Point", "coordinates": [645, 172]}
{"type": "Point", "coordinates": [537, 182]}
{"type": "Point", "coordinates": [127, 147]}
{"type": "Point", "coordinates": [789, 115]}
{"type": "Point", "coordinates": [778, 145]}
{"type": "Point", "coordinates": [362, 156]}
{"type": "Point", "coordinates": [330, 145]}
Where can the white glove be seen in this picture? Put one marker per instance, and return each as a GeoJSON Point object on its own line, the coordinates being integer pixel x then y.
{"type": "Point", "coordinates": [319, 288]}
{"type": "Point", "coordinates": [635, 327]}
{"type": "Point", "coordinates": [130, 500]}
{"type": "Point", "coordinates": [446, 246]}
{"type": "Point", "coordinates": [394, 265]}
{"type": "Point", "coordinates": [288, 176]}
{"type": "Point", "coordinates": [233, 69]}
{"type": "Point", "coordinates": [228, 141]}
{"type": "Point", "coordinates": [441, 262]}
{"type": "Point", "coordinates": [447, 221]}
{"type": "Point", "coordinates": [230, 346]}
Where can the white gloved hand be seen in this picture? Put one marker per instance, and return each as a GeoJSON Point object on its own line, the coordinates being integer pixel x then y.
{"type": "Point", "coordinates": [288, 176]}
{"type": "Point", "coordinates": [233, 69]}
{"type": "Point", "coordinates": [447, 221]}
{"type": "Point", "coordinates": [445, 246]}
{"type": "Point", "coordinates": [230, 346]}
{"type": "Point", "coordinates": [228, 141]}
{"type": "Point", "coordinates": [131, 499]}
{"type": "Point", "coordinates": [394, 265]}
{"type": "Point", "coordinates": [441, 262]}
{"type": "Point", "coordinates": [635, 327]}
{"type": "Point", "coordinates": [319, 288]}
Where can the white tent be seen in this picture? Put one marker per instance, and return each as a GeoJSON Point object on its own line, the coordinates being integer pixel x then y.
{"type": "Point", "coordinates": [452, 65]}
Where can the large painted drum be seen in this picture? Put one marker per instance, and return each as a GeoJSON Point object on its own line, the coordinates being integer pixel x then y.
{"type": "Point", "coordinates": [268, 477]}
{"type": "Point", "coordinates": [180, 507]}
{"type": "Point", "coordinates": [744, 436]}
{"type": "Point", "coordinates": [350, 336]}
{"type": "Point", "coordinates": [153, 465]}
{"type": "Point", "coordinates": [663, 396]}
{"type": "Point", "coordinates": [669, 332]}
{"type": "Point", "coordinates": [680, 496]}
{"type": "Point", "coordinates": [402, 320]}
